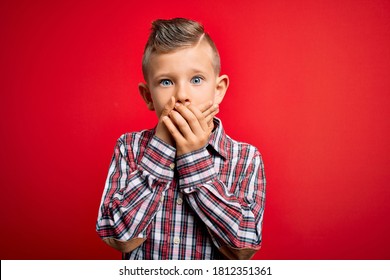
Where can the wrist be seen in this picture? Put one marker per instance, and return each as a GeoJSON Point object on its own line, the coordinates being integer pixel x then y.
{"type": "Point", "coordinates": [166, 139]}
{"type": "Point", "coordinates": [181, 152]}
{"type": "Point", "coordinates": [163, 134]}
{"type": "Point", "coordinates": [195, 168]}
{"type": "Point", "coordinates": [157, 160]}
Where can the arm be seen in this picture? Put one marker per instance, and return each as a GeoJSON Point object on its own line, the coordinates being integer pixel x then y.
{"type": "Point", "coordinates": [132, 192]}
{"type": "Point", "coordinates": [234, 213]}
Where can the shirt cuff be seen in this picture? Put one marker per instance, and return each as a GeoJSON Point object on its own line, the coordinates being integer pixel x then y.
{"type": "Point", "coordinates": [158, 159]}
{"type": "Point", "coordinates": [195, 168]}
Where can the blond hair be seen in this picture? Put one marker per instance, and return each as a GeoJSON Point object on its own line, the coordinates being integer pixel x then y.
{"type": "Point", "coordinates": [170, 35]}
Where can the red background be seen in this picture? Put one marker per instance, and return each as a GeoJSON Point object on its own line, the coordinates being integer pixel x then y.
{"type": "Point", "coordinates": [309, 87]}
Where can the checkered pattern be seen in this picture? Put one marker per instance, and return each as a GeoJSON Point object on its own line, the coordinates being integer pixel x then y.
{"type": "Point", "coordinates": [185, 207]}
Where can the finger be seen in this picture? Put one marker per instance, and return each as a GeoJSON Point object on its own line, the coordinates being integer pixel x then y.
{"type": "Point", "coordinates": [168, 107]}
{"type": "Point", "coordinates": [193, 116]}
{"type": "Point", "coordinates": [209, 118]}
{"type": "Point", "coordinates": [173, 130]}
{"type": "Point", "coordinates": [204, 106]}
{"type": "Point", "coordinates": [212, 111]}
{"type": "Point", "coordinates": [204, 117]}
{"type": "Point", "coordinates": [186, 121]}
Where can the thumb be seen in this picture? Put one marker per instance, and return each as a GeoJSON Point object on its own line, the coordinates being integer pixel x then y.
{"type": "Point", "coordinates": [168, 107]}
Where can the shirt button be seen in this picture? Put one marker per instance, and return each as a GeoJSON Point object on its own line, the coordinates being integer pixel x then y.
{"type": "Point", "coordinates": [172, 166]}
{"type": "Point", "coordinates": [161, 198]}
{"type": "Point", "coordinates": [176, 240]}
{"type": "Point", "coordinates": [179, 201]}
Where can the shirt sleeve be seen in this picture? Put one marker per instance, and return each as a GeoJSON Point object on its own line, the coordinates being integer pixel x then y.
{"type": "Point", "coordinates": [132, 192]}
{"type": "Point", "coordinates": [234, 213]}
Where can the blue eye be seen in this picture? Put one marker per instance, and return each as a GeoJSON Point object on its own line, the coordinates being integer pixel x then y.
{"type": "Point", "coordinates": [166, 83]}
{"type": "Point", "coordinates": [196, 80]}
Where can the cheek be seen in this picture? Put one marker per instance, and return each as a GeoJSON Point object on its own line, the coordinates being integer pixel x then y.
{"type": "Point", "coordinates": [160, 99]}
{"type": "Point", "coordinates": [203, 95]}
{"type": "Point", "coordinates": [158, 108]}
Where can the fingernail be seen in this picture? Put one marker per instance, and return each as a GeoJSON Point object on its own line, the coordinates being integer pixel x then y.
{"type": "Point", "coordinates": [177, 104]}
{"type": "Point", "coordinates": [187, 103]}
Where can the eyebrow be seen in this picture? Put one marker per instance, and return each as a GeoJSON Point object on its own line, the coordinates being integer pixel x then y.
{"type": "Point", "coordinates": [168, 74]}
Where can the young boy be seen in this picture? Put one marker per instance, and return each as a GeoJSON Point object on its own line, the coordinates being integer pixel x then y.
{"type": "Point", "coordinates": [184, 190]}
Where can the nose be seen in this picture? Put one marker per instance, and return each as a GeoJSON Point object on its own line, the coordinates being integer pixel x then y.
{"type": "Point", "coordinates": [182, 94]}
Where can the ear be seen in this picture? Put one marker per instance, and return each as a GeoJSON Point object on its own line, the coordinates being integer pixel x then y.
{"type": "Point", "coordinates": [145, 93]}
{"type": "Point", "coordinates": [221, 88]}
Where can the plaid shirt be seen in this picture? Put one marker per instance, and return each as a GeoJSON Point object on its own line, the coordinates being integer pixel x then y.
{"type": "Point", "coordinates": [186, 207]}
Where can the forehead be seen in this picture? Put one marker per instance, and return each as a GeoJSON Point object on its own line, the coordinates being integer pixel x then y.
{"type": "Point", "coordinates": [199, 57]}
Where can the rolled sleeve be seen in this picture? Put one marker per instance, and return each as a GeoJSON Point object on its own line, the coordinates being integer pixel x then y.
{"type": "Point", "coordinates": [195, 169]}
{"type": "Point", "coordinates": [158, 160]}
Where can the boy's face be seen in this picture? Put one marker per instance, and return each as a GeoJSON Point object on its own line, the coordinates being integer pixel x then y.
{"type": "Point", "coordinates": [186, 74]}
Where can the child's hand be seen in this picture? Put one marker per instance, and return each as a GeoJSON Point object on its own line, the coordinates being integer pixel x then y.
{"type": "Point", "coordinates": [189, 126]}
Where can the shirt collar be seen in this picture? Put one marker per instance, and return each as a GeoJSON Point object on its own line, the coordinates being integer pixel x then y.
{"type": "Point", "coordinates": [219, 141]}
